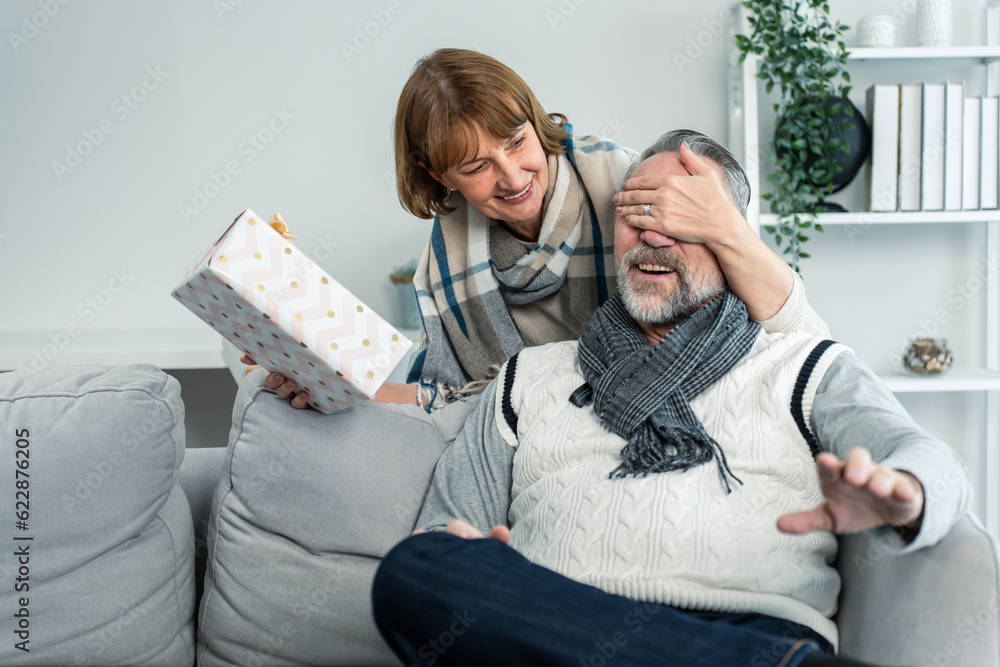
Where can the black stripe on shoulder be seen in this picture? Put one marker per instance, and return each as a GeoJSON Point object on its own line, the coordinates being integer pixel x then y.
{"type": "Point", "coordinates": [505, 404]}
{"type": "Point", "coordinates": [800, 388]}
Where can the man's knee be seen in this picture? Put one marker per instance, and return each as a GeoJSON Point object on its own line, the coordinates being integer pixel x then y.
{"type": "Point", "coordinates": [413, 561]}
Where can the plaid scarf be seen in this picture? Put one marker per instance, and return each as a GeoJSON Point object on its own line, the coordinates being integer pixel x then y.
{"type": "Point", "coordinates": [463, 292]}
{"type": "Point", "coordinates": [642, 392]}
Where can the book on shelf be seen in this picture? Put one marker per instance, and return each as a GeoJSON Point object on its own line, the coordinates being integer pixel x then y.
{"type": "Point", "coordinates": [970, 154]}
{"type": "Point", "coordinates": [932, 148]}
{"type": "Point", "coordinates": [882, 111]}
{"type": "Point", "coordinates": [910, 127]}
{"type": "Point", "coordinates": [954, 117]}
{"type": "Point", "coordinates": [989, 118]}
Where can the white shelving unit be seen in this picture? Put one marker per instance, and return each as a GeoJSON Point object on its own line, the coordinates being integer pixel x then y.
{"type": "Point", "coordinates": [982, 54]}
{"type": "Point", "coordinates": [897, 217]}
{"type": "Point", "coordinates": [745, 140]}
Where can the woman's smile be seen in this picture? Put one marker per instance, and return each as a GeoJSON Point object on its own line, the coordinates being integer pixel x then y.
{"type": "Point", "coordinates": [520, 196]}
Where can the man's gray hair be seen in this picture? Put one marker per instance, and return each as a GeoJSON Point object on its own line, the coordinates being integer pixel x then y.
{"type": "Point", "coordinates": [735, 180]}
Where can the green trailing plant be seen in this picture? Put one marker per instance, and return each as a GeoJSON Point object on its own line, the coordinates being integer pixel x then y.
{"type": "Point", "coordinates": [802, 54]}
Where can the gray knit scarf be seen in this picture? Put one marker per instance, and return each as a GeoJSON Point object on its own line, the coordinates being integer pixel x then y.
{"type": "Point", "coordinates": [642, 391]}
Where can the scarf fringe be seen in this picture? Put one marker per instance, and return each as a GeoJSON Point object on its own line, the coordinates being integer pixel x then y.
{"type": "Point", "coordinates": [645, 454]}
{"type": "Point", "coordinates": [472, 388]}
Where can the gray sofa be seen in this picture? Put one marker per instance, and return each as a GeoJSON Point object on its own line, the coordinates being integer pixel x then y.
{"type": "Point", "coordinates": [279, 533]}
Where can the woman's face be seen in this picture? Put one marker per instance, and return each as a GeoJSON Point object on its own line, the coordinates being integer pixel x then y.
{"type": "Point", "coordinates": [505, 179]}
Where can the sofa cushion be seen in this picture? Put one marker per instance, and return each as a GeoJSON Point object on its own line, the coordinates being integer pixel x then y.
{"type": "Point", "coordinates": [101, 571]}
{"type": "Point", "coordinates": [306, 507]}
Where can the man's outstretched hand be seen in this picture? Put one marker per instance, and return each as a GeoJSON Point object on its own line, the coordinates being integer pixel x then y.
{"type": "Point", "coordinates": [462, 529]}
{"type": "Point", "coordinates": [860, 494]}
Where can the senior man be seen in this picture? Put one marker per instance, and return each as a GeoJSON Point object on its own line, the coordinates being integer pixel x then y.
{"type": "Point", "coordinates": [666, 490]}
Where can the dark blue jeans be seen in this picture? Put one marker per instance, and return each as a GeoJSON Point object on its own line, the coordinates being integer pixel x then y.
{"type": "Point", "coordinates": [442, 600]}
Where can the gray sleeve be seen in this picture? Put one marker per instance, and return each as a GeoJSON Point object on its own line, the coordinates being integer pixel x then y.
{"type": "Point", "coordinates": [853, 408]}
{"type": "Point", "coordinates": [473, 477]}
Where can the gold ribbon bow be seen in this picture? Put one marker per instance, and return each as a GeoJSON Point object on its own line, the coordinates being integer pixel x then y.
{"type": "Point", "coordinates": [277, 223]}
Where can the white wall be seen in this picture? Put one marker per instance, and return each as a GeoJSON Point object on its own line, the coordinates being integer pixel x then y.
{"type": "Point", "coordinates": [329, 171]}
{"type": "Point", "coordinates": [615, 68]}
{"type": "Point", "coordinates": [612, 67]}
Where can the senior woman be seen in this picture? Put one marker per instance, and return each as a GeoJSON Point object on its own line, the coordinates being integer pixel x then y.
{"type": "Point", "coordinates": [521, 251]}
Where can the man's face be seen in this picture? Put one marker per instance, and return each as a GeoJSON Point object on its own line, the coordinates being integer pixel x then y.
{"type": "Point", "coordinates": [663, 280]}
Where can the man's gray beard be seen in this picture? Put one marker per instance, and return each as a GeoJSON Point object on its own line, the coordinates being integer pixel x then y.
{"type": "Point", "coordinates": [645, 302]}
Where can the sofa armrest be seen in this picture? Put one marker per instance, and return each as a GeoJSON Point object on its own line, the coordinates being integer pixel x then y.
{"type": "Point", "coordinates": [108, 564]}
{"type": "Point", "coordinates": [933, 606]}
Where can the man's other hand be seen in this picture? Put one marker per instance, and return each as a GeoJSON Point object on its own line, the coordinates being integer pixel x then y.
{"type": "Point", "coordinates": [860, 494]}
{"type": "Point", "coordinates": [464, 530]}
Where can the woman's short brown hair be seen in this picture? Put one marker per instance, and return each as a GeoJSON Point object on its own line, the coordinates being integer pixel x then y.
{"type": "Point", "coordinates": [449, 93]}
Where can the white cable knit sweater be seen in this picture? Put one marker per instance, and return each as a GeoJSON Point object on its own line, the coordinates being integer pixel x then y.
{"type": "Point", "coordinates": [675, 538]}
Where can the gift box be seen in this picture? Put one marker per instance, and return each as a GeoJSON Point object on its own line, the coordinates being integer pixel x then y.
{"type": "Point", "coordinates": [266, 297]}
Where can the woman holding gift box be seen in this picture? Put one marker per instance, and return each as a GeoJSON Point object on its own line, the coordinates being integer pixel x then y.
{"type": "Point", "coordinates": [521, 247]}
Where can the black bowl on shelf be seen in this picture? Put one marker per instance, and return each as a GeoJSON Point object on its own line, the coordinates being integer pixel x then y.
{"type": "Point", "coordinates": [859, 140]}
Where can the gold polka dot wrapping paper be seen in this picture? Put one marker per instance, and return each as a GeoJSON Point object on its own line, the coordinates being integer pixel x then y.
{"type": "Point", "coordinates": [270, 300]}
